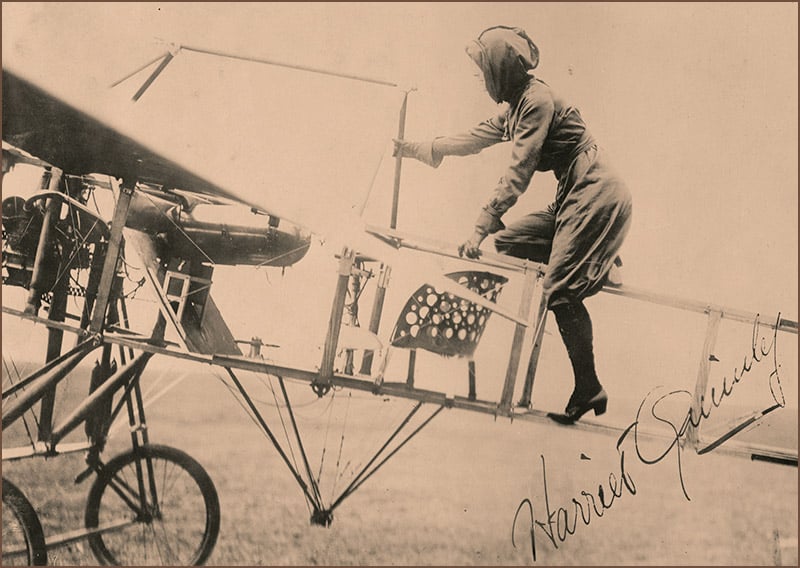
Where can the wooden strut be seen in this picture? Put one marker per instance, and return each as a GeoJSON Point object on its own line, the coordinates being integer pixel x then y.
{"type": "Point", "coordinates": [400, 390]}
{"type": "Point", "coordinates": [108, 388]}
{"type": "Point", "coordinates": [530, 375]}
{"type": "Point", "coordinates": [149, 81]}
{"type": "Point", "coordinates": [42, 261]}
{"type": "Point", "coordinates": [375, 316]}
{"type": "Point", "coordinates": [327, 377]}
{"type": "Point", "coordinates": [42, 381]}
{"type": "Point", "coordinates": [335, 322]}
{"type": "Point", "coordinates": [398, 164]}
{"type": "Point", "coordinates": [528, 287]}
{"type": "Point", "coordinates": [401, 239]}
{"type": "Point", "coordinates": [58, 305]}
{"type": "Point", "coordinates": [701, 385]}
{"type": "Point", "coordinates": [111, 259]}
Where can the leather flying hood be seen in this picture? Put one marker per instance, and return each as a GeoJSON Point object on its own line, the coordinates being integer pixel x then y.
{"type": "Point", "coordinates": [505, 55]}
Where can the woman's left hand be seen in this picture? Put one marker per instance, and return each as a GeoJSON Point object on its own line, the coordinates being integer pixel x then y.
{"type": "Point", "coordinates": [471, 247]}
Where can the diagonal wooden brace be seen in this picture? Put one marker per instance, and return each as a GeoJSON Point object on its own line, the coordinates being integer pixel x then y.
{"type": "Point", "coordinates": [112, 257]}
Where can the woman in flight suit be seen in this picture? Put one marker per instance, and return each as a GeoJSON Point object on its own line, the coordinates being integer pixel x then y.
{"type": "Point", "coordinates": [581, 232]}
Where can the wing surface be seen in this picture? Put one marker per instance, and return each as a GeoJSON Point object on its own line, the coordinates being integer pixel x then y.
{"type": "Point", "coordinates": [56, 132]}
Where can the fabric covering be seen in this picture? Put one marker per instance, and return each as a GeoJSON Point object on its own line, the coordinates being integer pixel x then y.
{"type": "Point", "coordinates": [442, 322]}
{"type": "Point", "coordinates": [580, 234]}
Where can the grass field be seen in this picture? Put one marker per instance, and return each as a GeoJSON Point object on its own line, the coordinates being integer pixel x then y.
{"type": "Point", "coordinates": [449, 497]}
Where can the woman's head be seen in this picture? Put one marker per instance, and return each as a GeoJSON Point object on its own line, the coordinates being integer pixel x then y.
{"type": "Point", "coordinates": [505, 56]}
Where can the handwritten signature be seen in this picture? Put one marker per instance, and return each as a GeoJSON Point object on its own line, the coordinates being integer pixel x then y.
{"type": "Point", "coordinates": [562, 522]}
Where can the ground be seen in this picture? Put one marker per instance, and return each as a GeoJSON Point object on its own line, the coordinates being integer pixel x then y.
{"type": "Point", "coordinates": [448, 497]}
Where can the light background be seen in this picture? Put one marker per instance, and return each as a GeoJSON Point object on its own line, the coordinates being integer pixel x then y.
{"type": "Point", "coordinates": [696, 104]}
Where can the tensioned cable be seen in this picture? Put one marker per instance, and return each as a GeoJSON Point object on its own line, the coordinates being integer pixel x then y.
{"type": "Point", "coordinates": [325, 440]}
{"type": "Point", "coordinates": [362, 207]}
{"type": "Point", "coordinates": [301, 448]}
{"type": "Point", "coordinates": [264, 377]}
{"type": "Point", "coordinates": [364, 474]}
{"type": "Point", "coordinates": [166, 58]}
{"type": "Point", "coordinates": [24, 421]}
{"type": "Point", "coordinates": [392, 418]}
{"type": "Point", "coordinates": [289, 66]}
{"type": "Point", "coordinates": [153, 398]}
{"type": "Point", "coordinates": [76, 249]}
{"type": "Point", "coordinates": [338, 473]}
{"type": "Point", "coordinates": [265, 428]}
{"type": "Point", "coordinates": [138, 70]}
{"type": "Point", "coordinates": [355, 485]}
{"type": "Point", "coordinates": [289, 442]}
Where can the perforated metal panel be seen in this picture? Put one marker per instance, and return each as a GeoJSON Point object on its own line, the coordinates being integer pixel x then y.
{"type": "Point", "coordinates": [444, 323]}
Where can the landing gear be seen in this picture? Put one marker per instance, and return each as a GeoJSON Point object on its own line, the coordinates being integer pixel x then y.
{"type": "Point", "coordinates": [23, 539]}
{"type": "Point", "coordinates": [322, 517]}
{"type": "Point", "coordinates": [154, 505]}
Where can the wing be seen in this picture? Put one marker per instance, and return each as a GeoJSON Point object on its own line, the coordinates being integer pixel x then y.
{"type": "Point", "coordinates": [50, 129]}
{"type": "Point", "coordinates": [178, 234]}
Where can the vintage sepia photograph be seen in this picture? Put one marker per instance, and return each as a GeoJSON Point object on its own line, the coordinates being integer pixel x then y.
{"type": "Point", "coordinates": [405, 283]}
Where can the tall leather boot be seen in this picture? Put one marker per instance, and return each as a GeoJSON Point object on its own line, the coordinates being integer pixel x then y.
{"type": "Point", "coordinates": [575, 326]}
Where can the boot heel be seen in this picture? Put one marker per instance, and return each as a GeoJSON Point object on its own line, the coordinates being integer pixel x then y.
{"type": "Point", "coordinates": [600, 407]}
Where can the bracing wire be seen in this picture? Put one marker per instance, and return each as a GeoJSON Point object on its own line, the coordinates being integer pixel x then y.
{"type": "Point", "coordinates": [75, 250]}
{"type": "Point", "coordinates": [283, 423]}
{"type": "Point", "coordinates": [325, 440]}
{"type": "Point", "coordinates": [167, 57]}
{"type": "Point", "coordinates": [138, 70]}
{"type": "Point", "coordinates": [24, 420]}
{"type": "Point", "coordinates": [339, 473]}
{"type": "Point", "coordinates": [263, 379]}
{"type": "Point", "coordinates": [289, 65]}
{"type": "Point", "coordinates": [300, 445]}
{"type": "Point", "coordinates": [363, 205]}
{"type": "Point", "coordinates": [149, 398]}
{"type": "Point", "coordinates": [267, 433]}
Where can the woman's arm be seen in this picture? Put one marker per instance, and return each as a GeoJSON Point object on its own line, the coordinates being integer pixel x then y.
{"type": "Point", "coordinates": [432, 152]}
{"type": "Point", "coordinates": [535, 117]}
{"type": "Point", "coordinates": [485, 134]}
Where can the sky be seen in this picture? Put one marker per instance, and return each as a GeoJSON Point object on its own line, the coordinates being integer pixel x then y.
{"type": "Point", "coordinates": [695, 103]}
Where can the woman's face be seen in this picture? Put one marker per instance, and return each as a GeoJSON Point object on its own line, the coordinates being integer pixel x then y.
{"type": "Point", "coordinates": [504, 58]}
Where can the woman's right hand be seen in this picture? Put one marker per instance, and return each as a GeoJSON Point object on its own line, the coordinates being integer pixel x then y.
{"type": "Point", "coordinates": [422, 151]}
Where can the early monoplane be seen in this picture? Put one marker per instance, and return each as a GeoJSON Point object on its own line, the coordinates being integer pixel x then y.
{"type": "Point", "coordinates": [57, 245]}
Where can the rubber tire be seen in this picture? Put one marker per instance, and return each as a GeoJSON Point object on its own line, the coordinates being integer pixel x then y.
{"type": "Point", "coordinates": [26, 515]}
{"type": "Point", "coordinates": [181, 460]}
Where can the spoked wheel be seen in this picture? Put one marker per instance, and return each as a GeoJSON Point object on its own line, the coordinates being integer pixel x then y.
{"type": "Point", "coordinates": [23, 538]}
{"type": "Point", "coordinates": [153, 506]}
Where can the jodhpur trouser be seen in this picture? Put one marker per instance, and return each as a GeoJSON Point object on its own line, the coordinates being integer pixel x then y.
{"type": "Point", "coordinates": [579, 237]}
{"type": "Point", "coordinates": [580, 234]}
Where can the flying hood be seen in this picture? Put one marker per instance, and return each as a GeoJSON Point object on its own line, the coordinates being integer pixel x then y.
{"type": "Point", "coordinates": [505, 55]}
